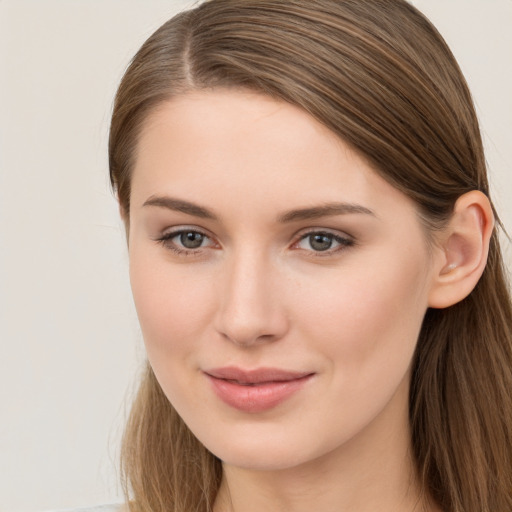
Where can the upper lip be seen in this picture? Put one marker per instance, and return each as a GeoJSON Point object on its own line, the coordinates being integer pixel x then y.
{"type": "Point", "coordinates": [256, 376]}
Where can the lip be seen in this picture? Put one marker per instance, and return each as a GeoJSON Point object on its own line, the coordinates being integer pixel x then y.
{"type": "Point", "coordinates": [257, 390]}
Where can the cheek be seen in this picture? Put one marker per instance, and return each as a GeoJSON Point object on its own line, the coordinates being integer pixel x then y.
{"type": "Point", "coordinates": [368, 318]}
{"type": "Point", "coordinates": [173, 310]}
{"type": "Point", "coordinates": [173, 305]}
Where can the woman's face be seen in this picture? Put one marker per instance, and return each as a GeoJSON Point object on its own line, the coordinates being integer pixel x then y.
{"type": "Point", "coordinates": [280, 282]}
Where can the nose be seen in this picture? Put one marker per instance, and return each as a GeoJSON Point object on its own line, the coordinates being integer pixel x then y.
{"type": "Point", "coordinates": [250, 307]}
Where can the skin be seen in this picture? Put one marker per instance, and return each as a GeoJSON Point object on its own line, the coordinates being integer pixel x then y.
{"type": "Point", "coordinates": [259, 293]}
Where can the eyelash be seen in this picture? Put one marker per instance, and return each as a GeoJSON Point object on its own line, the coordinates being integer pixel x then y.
{"type": "Point", "coordinates": [166, 241]}
{"type": "Point", "coordinates": [344, 242]}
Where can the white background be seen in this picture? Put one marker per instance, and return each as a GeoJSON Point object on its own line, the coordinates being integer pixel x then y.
{"type": "Point", "coordinates": [70, 345]}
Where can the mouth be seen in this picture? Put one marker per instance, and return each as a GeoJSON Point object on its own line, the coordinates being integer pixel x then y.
{"type": "Point", "coordinates": [258, 390]}
{"type": "Point", "coordinates": [256, 376]}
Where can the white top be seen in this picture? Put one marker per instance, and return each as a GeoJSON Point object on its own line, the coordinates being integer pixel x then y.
{"type": "Point", "coordinates": [112, 507]}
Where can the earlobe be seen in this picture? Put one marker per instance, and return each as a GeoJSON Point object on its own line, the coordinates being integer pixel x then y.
{"type": "Point", "coordinates": [462, 254]}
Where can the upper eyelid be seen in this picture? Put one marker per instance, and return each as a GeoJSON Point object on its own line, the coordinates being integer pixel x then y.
{"type": "Point", "coordinates": [174, 231]}
{"type": "Point", "coordinates": [329, 231]}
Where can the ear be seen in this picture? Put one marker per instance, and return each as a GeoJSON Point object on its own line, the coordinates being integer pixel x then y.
{"type": "Point", "coordinates": [461, 255]}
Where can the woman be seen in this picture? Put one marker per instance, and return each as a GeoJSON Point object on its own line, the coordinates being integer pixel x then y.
{"type": "Point", "coordinates": [315, 266]}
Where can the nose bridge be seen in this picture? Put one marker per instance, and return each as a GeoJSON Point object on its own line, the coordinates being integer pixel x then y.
{"type": "Point", "coordinates": [250, 309]}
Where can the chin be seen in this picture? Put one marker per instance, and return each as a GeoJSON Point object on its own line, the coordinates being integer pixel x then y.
{"type": "Point", "coordinates": [267, 449]}
{"type": "Point", "coordinates": [264, 459]}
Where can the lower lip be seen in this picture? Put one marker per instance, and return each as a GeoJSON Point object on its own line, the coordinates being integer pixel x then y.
{"type": "Point", "coordinates": [259, 397]}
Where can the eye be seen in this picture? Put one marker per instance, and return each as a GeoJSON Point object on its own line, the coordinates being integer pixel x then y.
{"type": "Point", "coordinates": [185, 241]}
{"type": "Point", "coordinates": [190, 239]}
{"type": "Point", "coordinates": [323, 241]}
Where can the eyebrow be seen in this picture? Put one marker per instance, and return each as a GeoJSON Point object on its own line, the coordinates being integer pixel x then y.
{"type": "Point", "coordinates": [179, 205]}
{"type": "Point", "coordinates": [325, 210]}
{"type": "Point", "coordinates": [315, 212]}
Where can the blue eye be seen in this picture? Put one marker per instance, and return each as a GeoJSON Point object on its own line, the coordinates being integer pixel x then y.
{"type": "Point", "coordinates": [320, 241]}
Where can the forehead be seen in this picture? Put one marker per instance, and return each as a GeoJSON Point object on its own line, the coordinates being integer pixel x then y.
{"type": "Point", "coordinates": [227, 145]}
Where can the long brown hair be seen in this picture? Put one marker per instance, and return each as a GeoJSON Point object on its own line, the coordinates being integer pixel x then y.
{"type": "Point", "coordinates": [380, 76]}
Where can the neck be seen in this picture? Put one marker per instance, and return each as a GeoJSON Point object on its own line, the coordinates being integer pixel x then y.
{"type": "Point", "coordinates": [373, 471]}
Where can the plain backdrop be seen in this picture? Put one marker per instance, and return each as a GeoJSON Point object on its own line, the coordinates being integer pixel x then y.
{"type": "Point", "coordinates": [70, 346]}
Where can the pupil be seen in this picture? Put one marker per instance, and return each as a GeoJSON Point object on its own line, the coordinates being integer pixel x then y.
{"type": "Point", "coordinates": [321, 242]}
{"type": "Point", "coordinates": [191, 240]}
